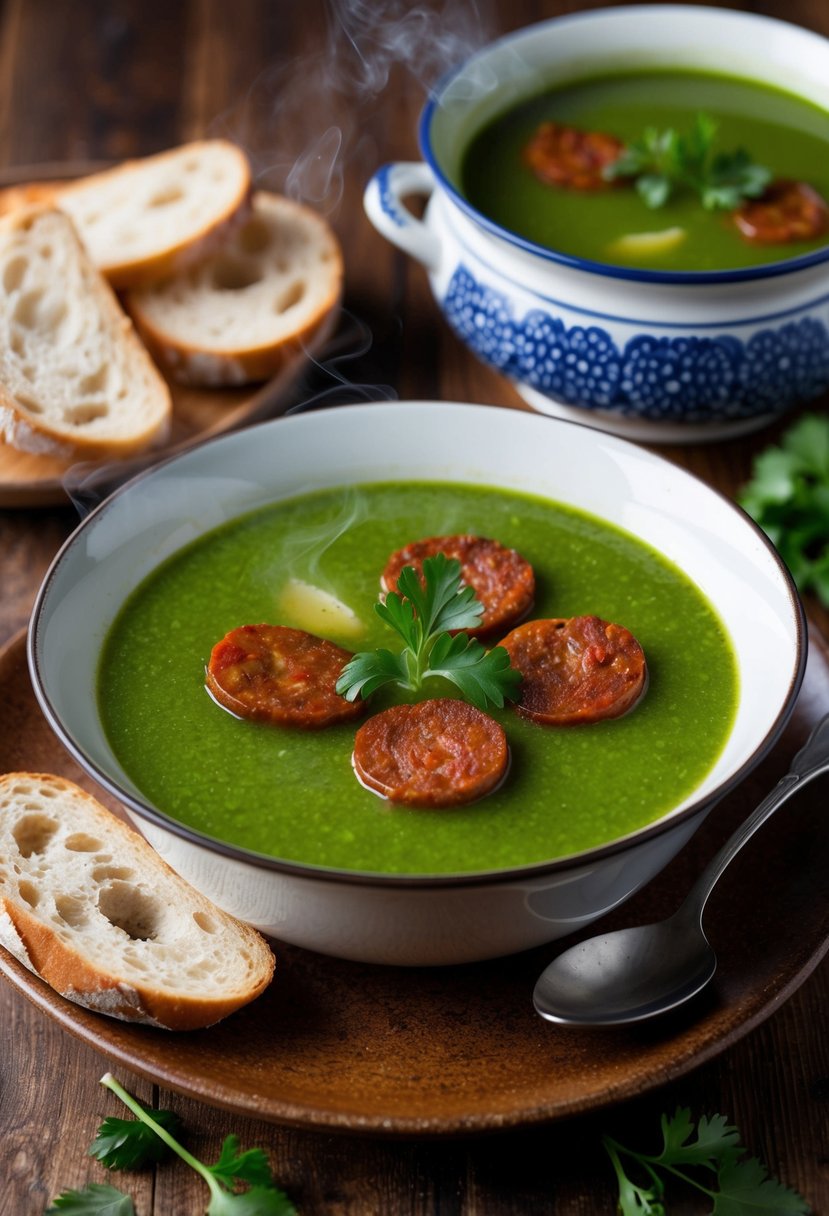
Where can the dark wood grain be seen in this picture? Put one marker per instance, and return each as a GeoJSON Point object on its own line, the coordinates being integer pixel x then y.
{"type": "Point", "coordinates": [109, 79]}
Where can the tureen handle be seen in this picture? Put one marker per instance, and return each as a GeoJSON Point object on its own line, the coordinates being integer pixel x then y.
{"type": "Point", "coordinates": [383, 201]}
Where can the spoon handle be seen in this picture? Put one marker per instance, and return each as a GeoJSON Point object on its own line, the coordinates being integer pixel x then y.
{"type": "Point", "coordinates": [810, 761]}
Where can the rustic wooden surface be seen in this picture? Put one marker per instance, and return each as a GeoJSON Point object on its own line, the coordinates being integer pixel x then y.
{"type": "Point", "coordinates": [319, 101]}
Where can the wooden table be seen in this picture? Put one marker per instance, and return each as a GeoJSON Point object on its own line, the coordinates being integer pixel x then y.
{"type": "Point", "coordinates": [107, 80]}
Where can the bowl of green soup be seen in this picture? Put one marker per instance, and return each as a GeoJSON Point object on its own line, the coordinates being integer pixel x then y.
{"type": "Point", "coordinates": [292, 524]}
{"type": "Point", "coordinates": [628, 216]}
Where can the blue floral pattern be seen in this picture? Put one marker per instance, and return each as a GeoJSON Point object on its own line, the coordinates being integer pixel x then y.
{"type": "Point", "coordinates": [696, 379]}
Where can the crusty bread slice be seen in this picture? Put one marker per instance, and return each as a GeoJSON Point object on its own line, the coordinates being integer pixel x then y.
{"type": "Point", "coordinates": [239, 315]}
{"type": "Point", "coordinates": [148, 218]}
{"type": "Point", "coordinates": [74, 378]}
{"type": "Point", "coordinates": [14, 198]}
{"type": "Point", "coordinates": [88, 906]}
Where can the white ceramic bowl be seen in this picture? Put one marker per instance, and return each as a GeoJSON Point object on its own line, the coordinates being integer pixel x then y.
{"type": "Point", "coordinates": [418, 920]}
{"type": "Point", "coordinates": [658, 355]}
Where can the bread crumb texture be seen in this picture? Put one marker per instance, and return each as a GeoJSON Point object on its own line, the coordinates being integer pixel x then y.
{"type": "Point", "coordinates": [271, 288]}
{"type": "Point", "coordinates": [73, 375]}
{"type": "Point", "coordinates": [88, 904]}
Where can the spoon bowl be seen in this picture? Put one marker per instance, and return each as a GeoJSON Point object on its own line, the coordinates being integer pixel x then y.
{"type": "Point", "coordinates": [633, 974]}
{"type": "Point", "coordinates": [626, 976]}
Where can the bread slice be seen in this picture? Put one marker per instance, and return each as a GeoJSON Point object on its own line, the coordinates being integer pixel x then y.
{"type": "Point", "coordinates": [144, 219]}
{"type": "Point", "coordinates": [15, 198]}
{"type": "Point", "coordinates": [237, 317]}
{"type": "Point", "coordinates": [74, 378]}
{"type": "Point", "coordinates": [88, 906]}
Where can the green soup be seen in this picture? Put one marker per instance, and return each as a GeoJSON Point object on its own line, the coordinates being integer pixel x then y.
{"type": "Point", "coordinates": [783, 132]}
{"type": "Point", "coordinates": [292, 794]}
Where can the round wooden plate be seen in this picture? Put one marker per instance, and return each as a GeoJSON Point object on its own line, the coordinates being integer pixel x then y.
{"type": "Point", "coordinates": [334, 1045]}
{"type": "Point", "coordinates": [28, 480]}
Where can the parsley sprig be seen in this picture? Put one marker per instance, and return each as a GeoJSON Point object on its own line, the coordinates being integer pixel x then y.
{"type": "Point", "coordinates": [788, 496]}
{"type": "Point", "coordinates": [425, 616]}
{"type": "Point", "coordinates": [662, 162]}
{"type": "Point", "coordinates": [737, 1185]}
{"type": "Point", "coordinates": [130, 1144]}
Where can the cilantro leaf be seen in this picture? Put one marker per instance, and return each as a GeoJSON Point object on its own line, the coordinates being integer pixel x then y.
{"type": "Point", "coordinates": [441, 602]}
{"type": "Point", "coordinates": [662, 162]}
{"type": "Point", "coordinates": [251, 1166]}
{"type": "Point", "coordinates": [370, 670]}
{"type": "Point", "coordinates": [482, 676]}
{"type": "Point", "coordinates": [95, 1199]}
{"type": "Point", "coordinates": [741, 1186]}
{"type": "Point", "coordinates": [634, 1200]}
{"type": "Point", "coordinates": [788, 496]}
{"type": "Point", "coordinates": [262, 1199]}
{"type": "Point", "coordinates": [746, 1190]}
{"type": "Point", "coordinates": [716, 1141]}
{"type": "Point", "coordinates": [430, 614]}
{"type": "Point", "coordinates": [654, 189]}
{"type": "Point", "coordinates": [258, 1201]}
{"type": "Point", "coordinates": [127, 1144]}
{"type": "Point", "coordinates": [400, 615]}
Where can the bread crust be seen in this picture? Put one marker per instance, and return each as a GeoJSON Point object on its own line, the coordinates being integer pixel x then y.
{"type": "Point", "coordinates": [214, 228]}
{"type": "Point", "coordinates": [47, 948]}
{"type": "Point", "coordinates": [28, 431]}
{"type": "Point", "coordinates": [211, 363]}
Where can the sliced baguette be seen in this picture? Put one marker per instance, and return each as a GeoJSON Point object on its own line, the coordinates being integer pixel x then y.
{"type": "Point", "coordinates": [238, 316]}
{"type": "Point", "coordinates": [14, 198]}
{"type": "Point", "coordinates": [145, 219]}
{"type": "Point", "coordinates": [87, 905]}
{"type": "Point", "coordinates": [75, 380]}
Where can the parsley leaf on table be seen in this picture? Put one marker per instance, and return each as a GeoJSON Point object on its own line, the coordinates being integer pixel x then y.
{"type": "Point", "coordinates": [746, 1190]}
{"type": "Point", "coordinates": [426, 615]}
{"type": "Point", "coordinates": [126, 1144]}
{"type": "Point", "coordinates": [736, 1185]}
{"type": "Point", "coordinates": [714, 1143]}
{"type": "Point", "coordinates": [251, 1166]}
{"type": "Point", "coordinates": [95, 1199]}
{"type": "Point", "coordinates": [788, 496]}
{"type": "Point", "coordinates": [662, 162]}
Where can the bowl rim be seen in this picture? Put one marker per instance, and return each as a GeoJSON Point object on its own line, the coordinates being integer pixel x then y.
{"type": "Point", "coordinates": [378, 879]}
{"type": "Point", "coordinates": [633, 274]}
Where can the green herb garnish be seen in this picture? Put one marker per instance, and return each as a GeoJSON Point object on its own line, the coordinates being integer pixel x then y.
{"type": "Point", "coordinates": [423, 615]}
{"type": "Point", "coordinates": [95, 1199]}
{"type": "Point", "coordinates": [662, 162]}
{"type": "Point", "coordinates": [127, 1144]}
{"type": "Point", "coordinates": [788, 496]}
{"type": "Point", "coordinates": [737, 1185]}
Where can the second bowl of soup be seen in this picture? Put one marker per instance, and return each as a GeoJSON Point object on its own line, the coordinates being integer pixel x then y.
{"type": "Point", "coordinates": [627, 216]}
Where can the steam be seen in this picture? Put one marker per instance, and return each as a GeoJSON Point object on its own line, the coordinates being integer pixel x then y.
{"type": "Point", "coordinates": [303, 551]}
{"type": "Point", "coordinates": [426, 42]}
{"type": "Point", "coordinates": [338, 84]}
{"type": "Point", "coordinates": [304, 123]}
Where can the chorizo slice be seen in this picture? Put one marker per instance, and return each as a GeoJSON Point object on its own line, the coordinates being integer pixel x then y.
{"type": "Point", "coordinates": [581, 669]}
{"type": "Point", "coordinates": [786, 211]}
{"type": "Point", "coordinates": [435, 753]}
{"type": "Point", "coordinates": [279, 675]}
{"type": "Point", "coordinates": [501, 578]}
{"type": "Point", "coordinates": [567, 157]}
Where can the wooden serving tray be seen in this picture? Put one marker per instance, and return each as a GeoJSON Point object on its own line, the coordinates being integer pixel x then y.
{"type": "Point", "coordinates": [336, 1045]}
{"type": "Point", "coordinates": [28, 480]}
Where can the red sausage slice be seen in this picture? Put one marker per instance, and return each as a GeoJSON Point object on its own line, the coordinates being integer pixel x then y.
{"type": "Point", "coordinates": [786, 211]}
{"type": "Point", "coordinates": [435, 753]}
{"type": "Point", "coordinates": [283, 676]}
{"type": "Point", "coordinates": [565, 156]}
{"type": "Point", "coordinates": [501, 579]}
{"type": "Point", "coordinates": [579, 670]}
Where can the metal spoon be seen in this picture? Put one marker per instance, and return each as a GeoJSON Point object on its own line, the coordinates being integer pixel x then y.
{"type": "Point", "coordinates": [634, 974]}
